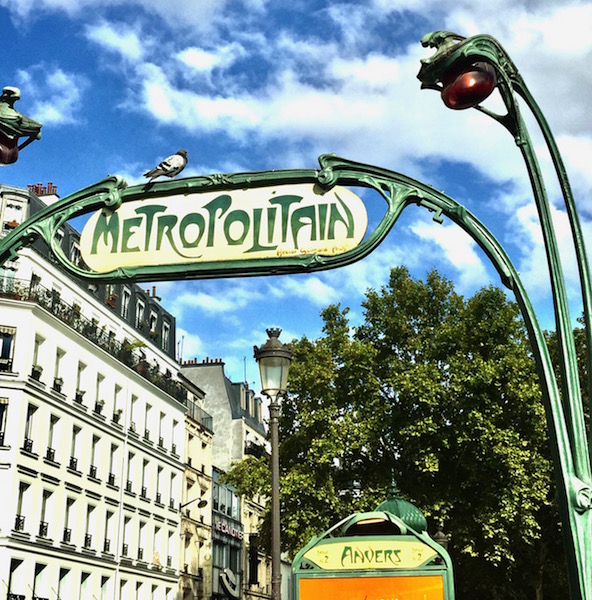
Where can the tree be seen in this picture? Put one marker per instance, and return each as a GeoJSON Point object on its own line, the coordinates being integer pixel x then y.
{"type": "Point", "coordinates": [441, 392]}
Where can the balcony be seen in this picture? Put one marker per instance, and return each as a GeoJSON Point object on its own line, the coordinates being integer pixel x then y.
{"type": "Point", "coordinates": [124, 550]}
{"type": "Point", "coordinates": [126, 352]}
{"type": "Point", "coordinates": [106, 545]}
{"type": "Point", "coordinates": [43, 528]}
{"type": "Point", "coordinates": [92, 472]}
{"type": "Point", "coordinates": [19, 523]}
{"type": "Point", "coordinates": [140, 553]}
{"type": "Point", "coordinates": [50, 454]}
{"type": "Point", "coordinates": [87, 540]}
{"type": "Point", "coordinates": [73, 464]}
{"type": "Point", "coordinates": [67, 535]}
{"type": "Point", "coordinates": [111, 479]}
{"type": "Point", "coordinates": [12, 596]}
{"type": "Point", "coordinates": [128, 485]}
{"type": "Point", "coordinates": [28, 445]}
{"type": "Point", "coordinates": [254, 449]}
{"type": "Point", "coordinates": [144, 492]}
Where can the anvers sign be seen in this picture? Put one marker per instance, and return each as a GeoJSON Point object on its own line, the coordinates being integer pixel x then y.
{"type": "Point", "coordinates": [244, 224]}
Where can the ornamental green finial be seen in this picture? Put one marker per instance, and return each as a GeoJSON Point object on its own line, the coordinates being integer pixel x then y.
{"type": "Point", "coordinates": [14, 125]}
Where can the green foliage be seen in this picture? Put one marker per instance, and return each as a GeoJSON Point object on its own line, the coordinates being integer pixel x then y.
{"type": "Point", "coordinates": [441, 392]}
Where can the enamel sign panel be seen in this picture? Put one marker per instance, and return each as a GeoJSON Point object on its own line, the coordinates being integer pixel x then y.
{"type": "Point", "coordinates": [216, 226]}
{"type": "Point", "coordinates": [411, 587]}
{"type": "Point", "coordinates": [390, 553]}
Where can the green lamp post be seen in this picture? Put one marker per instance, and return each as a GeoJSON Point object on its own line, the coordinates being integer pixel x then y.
{"type": "Point", "coordinates": [466, 72]}
{"type": "Point", "coordinates": [274, 363]}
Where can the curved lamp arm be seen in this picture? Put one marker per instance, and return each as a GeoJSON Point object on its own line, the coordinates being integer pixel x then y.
{"type": "Point", "coordinates": [485, 65]}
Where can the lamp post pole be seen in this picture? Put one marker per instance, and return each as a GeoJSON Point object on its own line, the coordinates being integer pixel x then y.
{"type": "Point", "coordinates": [466, 72]}
{"type": "Point", "coordinates": [274, 362]}
{"type": "Point", "coordinates": [276, 557]}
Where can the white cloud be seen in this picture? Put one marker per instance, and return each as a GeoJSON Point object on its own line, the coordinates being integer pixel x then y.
{"type": "Point", "coordinates": [312, 289]}
{"type": "Point", "coordinates": [54, 94]}
{"type": "Point", "coordinates": [205, 61]}
{"type": "Point", "coordinates": [458, 249]}
{"type": "Point", "coordinates": [189, 344]}
{"type": "Point", "coordinates": [120, 38]}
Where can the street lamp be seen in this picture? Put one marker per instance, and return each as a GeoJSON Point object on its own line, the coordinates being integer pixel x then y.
{"type": "Point", "coordinates": [274, 362]}
{"type": "Point", "coordinates": [465, 72]}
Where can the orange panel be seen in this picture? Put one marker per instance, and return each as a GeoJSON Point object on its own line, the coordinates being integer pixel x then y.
{"type": "Point", "coordinates": [423, 587]}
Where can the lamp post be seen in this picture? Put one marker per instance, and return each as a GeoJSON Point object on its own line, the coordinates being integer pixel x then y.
{"type": "Point", "coordinates": [274, 362]}
{"type": "Point", "coordinates": [466, 72]}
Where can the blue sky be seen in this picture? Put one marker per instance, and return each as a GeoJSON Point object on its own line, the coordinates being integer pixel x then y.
{"type": "Point", "coordinates": [257, 85]}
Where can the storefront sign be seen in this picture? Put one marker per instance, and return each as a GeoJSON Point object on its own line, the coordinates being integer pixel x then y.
{"type": "Point", "coordinates": [244, 224]}
{"type": "Point", "coordinates": [227, 529]}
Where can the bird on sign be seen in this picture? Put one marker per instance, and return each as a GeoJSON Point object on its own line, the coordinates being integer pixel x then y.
{"type": "Point", "coordinates": [170, 166]}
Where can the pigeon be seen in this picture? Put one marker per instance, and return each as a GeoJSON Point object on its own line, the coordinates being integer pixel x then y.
{"type": "Point", "coordinates": [170, 166]}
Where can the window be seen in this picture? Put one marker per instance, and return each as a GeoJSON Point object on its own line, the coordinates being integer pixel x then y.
{"type": "Point", "coordinates": [89, 527]}
{"type": "Point", "coordinates": [140, 308]}
{"type": "Point", "coordinates": [3, 416]}
{"type": "Point", "coordinates": [130, 464]}
{"type": "Point", "coordinates": [16, 577]}
{"type": "Point", "coordinates": [171, 548]}
{"type": "Point", "coordinates": [99, 387]}
{"type": "Point", "coordinates": [53, 423]}
{"type": "Point", "coordinates": [161, 422]}
{"type": "Point", "coordinates": [79, 375]}
{"type": "Point", "coordinates": [159, 484]}
{"type": "Point", "coordinates": [104, 587]}
{"type": "Point", "coordinates": [173, 489]}
{"type": "Point", "coordinates": [113, 459]}
{"type": "Point", "coordinates": [152, 322]}
{"type": "Point", "coordinates": [118, 399]}
{"type": "Point", "coordinates": [74, 447]}
{"type": "Point", "coordinates": [75, 255]}
{"type": "Point", "coordinates": [84, 586]}
{"type": "Point", "coordinates": [166, 334]}
{"type": "Point", "coordinates": [69, 519]}
{"type": "Point", "coordinates": [134, 413]}
{"type": "Point", "coordinates": [174, 436]}
{"type": "Point", "coordinates": [147, 422]}
{"type": "Point", "coordinates": [28, 441]}
{"type": "Point", "coordinates": [109, 533]}
{"type": "Point", "coordinates": [156, 546]}
{"type": "Point", "coordinates": [141, 540]}
{"type": "Point", "coordinates": [127, 536]}
{"type": "Point", "coordinates": [145, 464]}
{"type": "Point", "coordinates": [40, 587]}
{"type": "Point", "coordinates": [125, 303]}
{"type": "Point", "coordinates": [58, 370]}
{"type": "Point", "coordinates": [22, 505]}
{"type": "Point", "coordinates": [37, 352]}
{"type": "Point", "coordinates": [13, 215]}
{"type": "Point", "coordinates": [46, 506]}
{"type": "Point", "coordinates": [6, 347]}
{"type": "Point", "coordinates": [96, 440]}
{"type": "Point", "coordinates": [64, 584]}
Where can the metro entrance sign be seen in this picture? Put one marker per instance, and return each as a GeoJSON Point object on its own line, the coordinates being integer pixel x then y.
{"type": "Point", "coordinates": [233, 232]}
{"type": "Point", "coordinates": [278, 221]}
{"type": "Point", "coordinates": [349, 563]}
